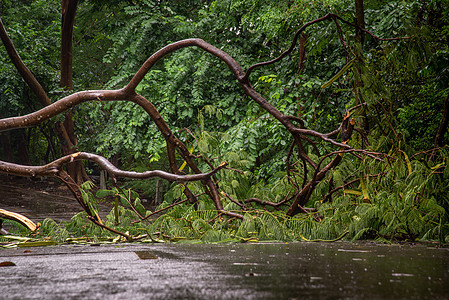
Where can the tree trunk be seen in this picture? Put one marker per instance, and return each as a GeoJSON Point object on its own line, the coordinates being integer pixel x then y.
{"type": "Point", "coordinates": [67, 20]}
{"type": "Point", "coordinates": [22, 149]}
{"type": "Point", "coordinates": [302, 52]}
{"type": "Point", "coordinates": [359, 21]}
{"type": "Point", "coordinates": [360, 39]}
{"type": "Point", "coordinates": [5, 139]}
{"type": "Point", "coordinates": [67, 134]}
{"type": "Point", "coordinates": [442, 129]}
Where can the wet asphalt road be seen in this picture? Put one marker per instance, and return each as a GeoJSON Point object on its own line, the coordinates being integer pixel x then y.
{"type": "Point", "coordinates": [232, 271]}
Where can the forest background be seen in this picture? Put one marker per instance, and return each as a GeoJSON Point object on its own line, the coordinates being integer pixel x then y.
{"type": "Point", "coordinates": [366, 89]}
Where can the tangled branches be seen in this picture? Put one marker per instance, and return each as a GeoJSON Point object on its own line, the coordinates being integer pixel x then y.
{"type": "Point", "coordinates": [300, 135]}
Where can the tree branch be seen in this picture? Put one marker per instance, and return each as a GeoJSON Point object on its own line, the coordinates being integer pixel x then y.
{"type": "Point", "coordinates": [96, 222]}
{"type": "Point", "coordinates": [54, 167]}
{"type": "Point", "coordinates": [128, 94]}
{"type": "Point", "coordinates": [292, 45]}
{"type": "Point", "coordinates": [26, 74]}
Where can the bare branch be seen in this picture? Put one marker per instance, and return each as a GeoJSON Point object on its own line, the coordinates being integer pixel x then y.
{"type": "Point", "coordinates": [59, 107]}
{"type": "Point", "coordinates": [53, 168]}
{"type": "Point", "coordinates": [370, 33]}
{"type": "Point", "coordinates": [233, 65]}
{"type": "Point", "coordinates": [74, 188]}
{"type": "Point", "coordinates": [292, 46]}
{"type": "Point", "coordinates": [96, 222]}
{"type": "Point", "coordinates": [232, 200]}
{"type": "Point", "coordinates": [18, 218]}
{"type": "Point", "coordinates": [349, 183]}
{"type": "Point", "coordinates": [173, 144]}
{"type": "Point", "coordinates": [161, 210]}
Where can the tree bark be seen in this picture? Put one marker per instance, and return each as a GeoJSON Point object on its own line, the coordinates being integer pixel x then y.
{"type": "Point", "coordinates": [23, 154]}
{"type": "Point", "coordinates": [359, 21]}
{"type": "Point", "coordinates": [302, 52]}
{"type": "Point", "coordinates": [5, 139]}
{"type": "Point", "coordinates": [65, 131]}
{"type": "Point", "coordinates": [67, 20]}
{"type": "Point", "coordinates": [128, 93]}
{"type": "Point", "coordinates": [360, 39]}
{"type": "Point", "coordinates": [67, 134]}
{"type": "Point", "coordinates": [442, 129]}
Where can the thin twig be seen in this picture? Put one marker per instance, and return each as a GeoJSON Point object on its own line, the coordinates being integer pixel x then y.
{"type": "Point", "coordinates": [162, 209]}
{"type": "Point", "coordinates": [128, 237]}
{"type": "Point", "coordinates": [232, 200]}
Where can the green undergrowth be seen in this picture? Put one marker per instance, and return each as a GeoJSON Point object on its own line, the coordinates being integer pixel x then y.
{"type": "Point", "coordinates": [341, 219]}
{"type": "Point", "coordinates": [331, 222]}
{"type": "Point", "coordinates": [400, 199]}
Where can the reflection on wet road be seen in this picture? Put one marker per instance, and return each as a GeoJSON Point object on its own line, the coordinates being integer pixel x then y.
{"type": "Point", "coordinates": [233, 271]}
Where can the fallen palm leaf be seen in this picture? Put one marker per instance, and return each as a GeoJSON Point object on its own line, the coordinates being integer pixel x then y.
{"type": "Point", "coordinates": [17, 238]}
{"type": "Point", "coordinates": [37, 244]}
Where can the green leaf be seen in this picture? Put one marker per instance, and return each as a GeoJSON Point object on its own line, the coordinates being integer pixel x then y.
{"type": "Point", "coordinates": [352, 192]}
{"type": "Point", "coordinates": [104, 193]}
{"type": "Point", "coordinates": [364, 189]}
{"type": "Point", "coordinates": [407, 160]}
{"type": "Point", "coordinates": [339, 74]}
{"type": "Point", "coordinates": [37, 244]}
{"type": "Point", "coordinates": [139, 207]}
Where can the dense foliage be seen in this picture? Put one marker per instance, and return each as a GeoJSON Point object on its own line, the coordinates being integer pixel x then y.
{"type": "Point", "coordinates": [402, 86]}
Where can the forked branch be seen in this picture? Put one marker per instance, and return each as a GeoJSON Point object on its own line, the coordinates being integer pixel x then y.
{"type": "Point", "coordinates": [128, 93]}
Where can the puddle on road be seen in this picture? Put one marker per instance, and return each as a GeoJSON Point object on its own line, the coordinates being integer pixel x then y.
{"type": "Point", "coordinates": [322, 270]}
{"type": "Point", "coordinates": [145, 255]}
{"type": "Point", "coordinates": [231, 271]}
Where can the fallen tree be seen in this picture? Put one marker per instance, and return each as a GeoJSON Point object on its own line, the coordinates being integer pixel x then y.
{"type": "Point", "coordinates": [313, 171]}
